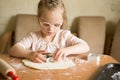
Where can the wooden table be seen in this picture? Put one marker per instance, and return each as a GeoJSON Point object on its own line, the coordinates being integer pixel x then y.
{"type": "Point", "coordinates": [84, 70]}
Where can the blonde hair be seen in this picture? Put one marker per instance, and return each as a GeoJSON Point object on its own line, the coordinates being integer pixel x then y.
{"type": "Point", "coordinates": [50, 5]}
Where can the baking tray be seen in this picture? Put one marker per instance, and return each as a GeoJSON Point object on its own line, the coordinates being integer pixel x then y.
{"type": "Point", "coordinates": [108, 71]}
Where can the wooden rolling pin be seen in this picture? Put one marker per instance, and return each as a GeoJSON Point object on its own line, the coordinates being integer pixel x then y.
{"type": "Point", "coordinates": [7, 71]}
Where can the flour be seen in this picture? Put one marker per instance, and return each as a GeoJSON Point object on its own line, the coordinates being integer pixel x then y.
{"type": "Point", "coordinates": [116, 76]}
{"type": "Point", "coordinates": [16, 65]}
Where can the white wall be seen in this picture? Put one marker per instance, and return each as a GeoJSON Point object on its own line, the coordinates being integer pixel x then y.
{"type": "Point", "coordinates": [9, 9]}
{"type": "Point", "coordinates": [110, 9]}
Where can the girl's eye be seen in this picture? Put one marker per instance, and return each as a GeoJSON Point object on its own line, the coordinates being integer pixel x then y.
{"type": "Point", "coordinates": [45, 24]}
{"type": "Point", "coordinates": [57, 25]}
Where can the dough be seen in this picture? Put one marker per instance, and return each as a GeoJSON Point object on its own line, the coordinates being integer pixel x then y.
{"type": "Point", "coordinates": [55, 65]}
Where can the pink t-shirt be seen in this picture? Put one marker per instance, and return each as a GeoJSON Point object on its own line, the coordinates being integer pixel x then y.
{"type": "Point", "coordinates": [63, 38]}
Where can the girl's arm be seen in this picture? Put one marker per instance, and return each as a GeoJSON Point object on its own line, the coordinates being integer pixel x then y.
{"type": "Point", "coordinates": [78, 48]}
{"type": "Point", "coordinates": [36, 56]}
{"type": "Point", "coordinates": [74, 45]}
{"type": "Point", "coordinates": [74, 49]}
{"type": "Point", "coordinates": [17, 51]}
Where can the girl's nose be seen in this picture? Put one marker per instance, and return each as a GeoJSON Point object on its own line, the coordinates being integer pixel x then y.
{"type": "Point", "coordinates": [51, 28]}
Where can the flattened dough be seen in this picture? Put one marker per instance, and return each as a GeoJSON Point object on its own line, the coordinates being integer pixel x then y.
{"type": "Point", "coordinates": [57, 65]}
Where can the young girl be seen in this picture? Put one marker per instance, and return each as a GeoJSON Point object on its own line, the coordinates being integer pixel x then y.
{"type": "Point", "coordinates": [50, 38]}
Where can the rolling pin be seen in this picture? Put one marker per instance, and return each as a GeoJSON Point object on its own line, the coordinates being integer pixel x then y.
{"type": "Point", "coordinates": [7, 71]}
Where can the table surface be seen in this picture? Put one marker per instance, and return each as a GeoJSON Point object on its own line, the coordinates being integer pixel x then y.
{"type": "Point", "coordinates": [84, 69]}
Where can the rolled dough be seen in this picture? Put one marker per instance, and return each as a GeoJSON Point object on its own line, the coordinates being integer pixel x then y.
{"type": "Point", "coordinates": [55, 65]}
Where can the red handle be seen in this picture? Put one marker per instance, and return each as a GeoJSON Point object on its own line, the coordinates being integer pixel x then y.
{"type": "Point", "coordinates": [12, 75]}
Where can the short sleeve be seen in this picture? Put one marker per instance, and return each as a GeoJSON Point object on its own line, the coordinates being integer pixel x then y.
{"type": "Point", "coordinates": [27, 41]}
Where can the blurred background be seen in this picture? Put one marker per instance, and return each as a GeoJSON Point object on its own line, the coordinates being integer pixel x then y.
{"type": "Point", "coordinates": [110, 9]}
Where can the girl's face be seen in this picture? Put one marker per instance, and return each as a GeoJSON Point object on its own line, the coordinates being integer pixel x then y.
{"type": "Point", "coordinates": [51, 21]}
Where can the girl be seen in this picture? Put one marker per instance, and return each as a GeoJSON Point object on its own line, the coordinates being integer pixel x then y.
{"type": "Point", "coordinates": [51, 38]}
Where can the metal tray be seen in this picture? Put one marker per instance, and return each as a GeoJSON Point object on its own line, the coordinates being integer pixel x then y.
{"type": "Point", "coordinates": [108, 71]}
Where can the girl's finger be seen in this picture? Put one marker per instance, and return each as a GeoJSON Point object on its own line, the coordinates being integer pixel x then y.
{"type": "Point", "coordinates": [42, 57]}
{"type": "Point", "coordinates": [39, 60]}
{"type": "Point", "coordinates": [56, 56]}
{"type": "Point", "coordinates": [41, 51]}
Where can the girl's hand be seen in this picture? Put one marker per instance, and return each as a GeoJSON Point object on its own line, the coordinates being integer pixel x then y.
{"type": "Point", "coordinates": [37, 56]}
{"type": "Point", "coordinates": [61, 54]}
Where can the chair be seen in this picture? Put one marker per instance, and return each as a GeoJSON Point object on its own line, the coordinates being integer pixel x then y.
{"type": "Point", "coordinates": [25, 24]}
{"type": "Point", "coordinates": [92, 30]}
{"type": "Point", "coordinates": [115, 49]}
{"type": "Point", "coordinates": [5, 42]}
